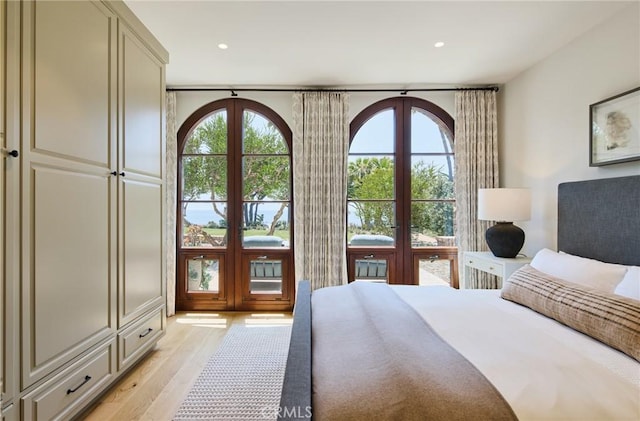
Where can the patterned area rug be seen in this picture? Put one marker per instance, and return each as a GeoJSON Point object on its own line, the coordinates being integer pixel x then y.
{"type": "Point", "coordinates": [243, 378]}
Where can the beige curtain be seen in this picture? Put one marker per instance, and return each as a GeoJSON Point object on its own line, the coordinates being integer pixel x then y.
{"type": "Point", "coordinates": [170, 202]}
{"type": "Point", "coordinates": [476, 151]}
{"type": "Point", "coordinates": [320, 148]}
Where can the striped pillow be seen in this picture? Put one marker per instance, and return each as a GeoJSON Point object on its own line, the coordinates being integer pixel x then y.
{"type": "Point", "coordinates": [609, 318]}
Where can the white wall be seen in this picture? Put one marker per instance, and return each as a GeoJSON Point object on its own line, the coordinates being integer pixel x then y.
{"type": "Point", "coordinates": [188, 102]}
{"type": "Point", "coordinates": [281, 102]}
{"type": "Point", "coordinates": [544, 117]}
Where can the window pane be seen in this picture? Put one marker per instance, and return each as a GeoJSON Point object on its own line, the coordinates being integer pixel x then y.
{"type": "Point", "coordinates": [210, 136]}
{"type": "Point", "coordinates": [373, 270]}
{"type": "Point", "coordinates": [427, 135]}
{"type": "Point", "coordinates": [266, 224]}
{"type": "Point", "coordinates": [432, 177]}
{"type": "Point", "coordinates": [377, 135]}
{"type": "Point", "coordinates": [371, 177]}
{"type": "Point", "coordinates": [260, 135]}
{"type": "Point", "coordinates": [204, 224]}
{"type": "Point", "coordinates": [265, 276]}
{"type": "Point", "coordinates": [266, 178]}
{"type": "Point", "coordinates": [432, 224]}
{"type": "Point", "coordinates": [204, 177]}
{"type": "Point", "coordinates": [434, 272]}
{"type": "Point", "coordinates": [203, 275]}
{"type": "Point", "coordinates": [372, 218]}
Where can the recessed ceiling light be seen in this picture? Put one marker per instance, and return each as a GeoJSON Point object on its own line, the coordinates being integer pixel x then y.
{"type": "Point", "coordinates": [439, 44]}
{"type": "Point", "coordinates": [223, 46]}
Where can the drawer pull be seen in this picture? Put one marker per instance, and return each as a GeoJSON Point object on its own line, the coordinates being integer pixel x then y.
{"type": "Point", "coordinates": [86, 379]}
{"type": "Point", "coordinates": [148, 331]}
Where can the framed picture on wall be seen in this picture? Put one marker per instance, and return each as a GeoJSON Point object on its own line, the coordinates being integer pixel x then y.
{"type": "Point", "coordinates": [615, 129]}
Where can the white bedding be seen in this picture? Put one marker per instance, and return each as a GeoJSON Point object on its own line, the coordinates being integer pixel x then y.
{"type": "Point", "coordinates": [539, 365]}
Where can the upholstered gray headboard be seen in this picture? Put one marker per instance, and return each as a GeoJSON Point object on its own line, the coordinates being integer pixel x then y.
{"type": "Point", "coordinates": [600, 219]}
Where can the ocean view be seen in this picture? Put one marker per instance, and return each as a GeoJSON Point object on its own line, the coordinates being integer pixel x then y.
{"type": "Point", "coordinates": [202, 213]}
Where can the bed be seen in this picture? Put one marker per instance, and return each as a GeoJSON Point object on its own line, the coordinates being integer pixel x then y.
{"type": "Point", "coordinates": [560, 341]}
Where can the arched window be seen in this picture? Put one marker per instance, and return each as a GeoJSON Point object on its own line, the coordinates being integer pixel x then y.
{"type": "Point", "coordinates": [234, 207]}
{"type": "Point", "coordinates": [401, 201]}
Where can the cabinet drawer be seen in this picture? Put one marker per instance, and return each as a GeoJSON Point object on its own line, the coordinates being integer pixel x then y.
{"type": "Point", "coordinates": [138, 338]}
{"type": "Point", "coordinates": [10, 413]}
{"type": "Point", "coordinates": [67, 392]}
{"type": "Point", "coordinates": [483, 265]}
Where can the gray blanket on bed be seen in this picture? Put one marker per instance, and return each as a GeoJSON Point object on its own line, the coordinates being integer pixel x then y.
{"type": "Point", "coordinates": [375, 358]}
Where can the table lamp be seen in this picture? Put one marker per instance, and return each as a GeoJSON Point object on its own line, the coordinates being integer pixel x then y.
{"type": "Point", "coordinates": [504, 206]}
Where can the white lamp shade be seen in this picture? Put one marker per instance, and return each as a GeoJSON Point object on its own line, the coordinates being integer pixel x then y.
{"type": "Point", "coordinates": [504, 205]}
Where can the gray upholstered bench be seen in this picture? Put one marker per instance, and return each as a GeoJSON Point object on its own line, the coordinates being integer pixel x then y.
{"type": "Point", "coordinates": [260, 241]}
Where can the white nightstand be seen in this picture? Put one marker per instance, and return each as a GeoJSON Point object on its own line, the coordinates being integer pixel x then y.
{"type": "Point", "coordinates": [487, 262]}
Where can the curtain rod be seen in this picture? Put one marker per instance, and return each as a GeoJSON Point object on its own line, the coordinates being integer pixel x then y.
{"type": "Point", "coordinates": [402, 91]}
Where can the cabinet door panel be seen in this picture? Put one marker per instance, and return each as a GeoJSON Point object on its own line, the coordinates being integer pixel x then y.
{"type": "Point", "coordinates": [141, 248]}
{"type": "Point", "coordinates": [142, 107]}
{"type": "Point", "coordinates": [73, 93]}
{"type": "Point", "coordinates": [67, 298]}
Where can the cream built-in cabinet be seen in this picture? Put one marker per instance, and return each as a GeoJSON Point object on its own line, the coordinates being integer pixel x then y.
{"type": "Point", "coordinates": [3, 151]}
{"type": "Point", "coordinates": [141, 171]}
{"type": "Point", "coordinates": [83, 258]}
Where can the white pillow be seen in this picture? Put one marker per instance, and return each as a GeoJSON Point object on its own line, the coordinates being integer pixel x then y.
{"type": "Point", "coordinates": [630, 285]}
{"type": "Point", "coordinates": [580, 270]}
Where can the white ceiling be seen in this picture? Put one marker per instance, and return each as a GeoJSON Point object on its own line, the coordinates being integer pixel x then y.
{"type": "Point", "coordinates": [361, 43]}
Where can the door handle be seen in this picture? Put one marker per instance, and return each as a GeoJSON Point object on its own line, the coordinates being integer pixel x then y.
{"type": "Point", "coordinates": [12, 153]}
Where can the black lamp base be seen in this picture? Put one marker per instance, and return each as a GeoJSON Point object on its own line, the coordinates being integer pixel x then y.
{"type": "Point", "coordinates": [505, 239]}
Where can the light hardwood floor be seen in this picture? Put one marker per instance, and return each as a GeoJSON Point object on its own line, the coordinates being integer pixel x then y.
{"type": "Point", "coordinates": [154, 389]}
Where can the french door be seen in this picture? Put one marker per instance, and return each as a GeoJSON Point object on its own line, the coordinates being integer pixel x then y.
{"type": "Point", "coordinates": [401, 199]}
{"type": "Point", "coordinates": [234, 225]}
